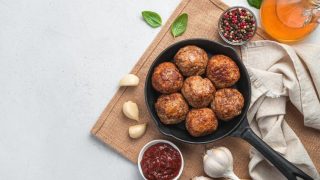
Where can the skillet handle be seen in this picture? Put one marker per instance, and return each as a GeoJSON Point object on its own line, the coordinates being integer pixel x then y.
{"type": "Point", "coordinates": [289, 170]}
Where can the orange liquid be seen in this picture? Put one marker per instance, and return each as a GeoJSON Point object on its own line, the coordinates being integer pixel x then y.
{"type": "Point", "coordinates": [283, 20]}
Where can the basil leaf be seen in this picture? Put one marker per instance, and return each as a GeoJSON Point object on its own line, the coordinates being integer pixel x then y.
{"type": "Point", "coordinates": [152, 18]}
{"type": "Point", "coordinates": [255, 3]}
{"type": "Point", "coordinates": [179, 25]}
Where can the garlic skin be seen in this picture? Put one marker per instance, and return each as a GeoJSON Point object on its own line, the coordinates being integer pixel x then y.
{"type": "Point", "coordinates": [137, 131]}
{"type": "Point", "coordinates": [129, 80]}
{"type": "Point", "coordinates": [218, 162]}
{"type": "Point", "coordinates": [200, 178]}
{"type": "Point", "coordinates": [131, 110]}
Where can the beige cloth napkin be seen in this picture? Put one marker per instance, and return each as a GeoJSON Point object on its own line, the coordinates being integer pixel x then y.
{"type": "Point", "coordinates": [279, 72]}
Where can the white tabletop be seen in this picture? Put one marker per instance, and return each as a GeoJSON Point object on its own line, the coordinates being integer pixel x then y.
{"type": "Point", "coordinates": [60, 63]}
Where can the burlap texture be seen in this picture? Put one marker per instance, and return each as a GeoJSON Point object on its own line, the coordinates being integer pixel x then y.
{"type": "Point", "coordinates": [112, 126]}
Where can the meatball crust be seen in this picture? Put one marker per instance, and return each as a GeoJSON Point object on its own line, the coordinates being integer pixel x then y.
{"type": "Point", "coordinates": [198, 91]}
{"type": "Point", "coordinates": [222, 71]}
{"type": "Point", "coordinates": [201, 122]}
{"type": "Point", "coordinates": [228, 103]}
{"type": "Point", "coordinates": [191, 60]}
{"type": "Point", "coordinates": [166, 78]}
{"type": "Point", "coordinates": [171, 108]}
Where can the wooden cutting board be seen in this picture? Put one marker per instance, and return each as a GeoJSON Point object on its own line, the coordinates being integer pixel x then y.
{"type": "Point", "coordinates": [112, 126]}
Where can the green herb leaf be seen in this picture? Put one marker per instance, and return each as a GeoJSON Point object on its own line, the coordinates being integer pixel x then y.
{"type": "Point", "coordinates": [179, 25]}
{"type": "Point", "coordinates": [152, 18]}
{"type": "Point", "coordinates": [255, 3]}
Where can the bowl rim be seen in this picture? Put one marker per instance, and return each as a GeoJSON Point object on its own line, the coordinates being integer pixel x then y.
{"type": "Point", "coordinates": [156, 141]}
{"type": "Point", "coordinates": [226, 40]}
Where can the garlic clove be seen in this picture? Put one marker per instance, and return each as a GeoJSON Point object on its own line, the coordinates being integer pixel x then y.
{"type": "Point", "coordinates": [129, 80]}
{"type": "Point", "coordinates": [200, 178]}
{"type": "Point", "coordinates": [231, 175]}
{"type": "Point", "coordinates": [137, 131]}
{"type": "Point", "coordinates": [228, 154]}
{"type": "Point", "coordinates": [131, 110]}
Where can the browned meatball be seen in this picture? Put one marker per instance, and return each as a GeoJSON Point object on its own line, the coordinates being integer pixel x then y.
{"type": "Point", "coordinates": [222, 71]}
{"type": "Point", "coordinates": [166, 78]}
{"type": "Point", "coordinates": [201, 122]}
{"type": "Point", "coordinates": [198, 91]}
{"type": "Point", "coordinates": [228, 103]}
{"type": "Point", "coordinates": [172, 108]}
{"type": "Point", "coordinates": [191, 60]}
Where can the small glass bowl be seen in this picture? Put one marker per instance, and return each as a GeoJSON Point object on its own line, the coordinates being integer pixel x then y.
{"type": "Point", "coordinates": [236, 43]}
{"type": "Point", "coordinates": [153, 142]}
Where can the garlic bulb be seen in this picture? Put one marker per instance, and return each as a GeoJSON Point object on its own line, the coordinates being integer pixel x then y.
{"type": "Point", "coordinates": [137, 131]}
{"type": "Point", "coordinates": [200, 178]}
{"type": "Point", "coordinates": [129, 80]}
{"type": "Point", "coordinates": [131, 110]}
{"type": "Point", "coordinates": [218, 162]}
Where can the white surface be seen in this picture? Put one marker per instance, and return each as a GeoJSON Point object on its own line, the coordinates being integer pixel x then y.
{"type": "Point", "coordinates": [60, 63]}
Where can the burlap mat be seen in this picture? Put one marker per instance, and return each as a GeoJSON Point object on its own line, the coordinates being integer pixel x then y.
{"type": "Point", "coordinates": [112, 126]}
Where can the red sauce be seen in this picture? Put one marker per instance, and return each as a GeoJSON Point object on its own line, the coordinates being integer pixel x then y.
{"type": "Point", "coordinates": [161, 162]}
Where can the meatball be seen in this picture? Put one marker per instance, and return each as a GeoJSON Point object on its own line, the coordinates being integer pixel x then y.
{"type": "Point", "coordinates": [198, 91]}
{"type": "Point", "coordinates": [171, 108]}
{"type": "Point", "coordinates": [222, 71]}
{"type": "Point", "coordinates": [201, 122]}
{"type": "Point", "coordinates": [228, 103]}
{"type": "Point", "coordinates": [166, 78]}
{"type": "Point", "coordinates": [191, 60]}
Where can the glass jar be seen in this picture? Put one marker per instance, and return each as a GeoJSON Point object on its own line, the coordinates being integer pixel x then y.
{"type": "Point", "coordinates": [289, 20]}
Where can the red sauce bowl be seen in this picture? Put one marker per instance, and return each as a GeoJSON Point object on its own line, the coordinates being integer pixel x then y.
{"type": "Point", "coordinates": [164, 148]}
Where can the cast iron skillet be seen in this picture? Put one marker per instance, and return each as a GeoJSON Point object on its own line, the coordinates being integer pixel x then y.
{"type": "Point", "coordinates": [238, 127]}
